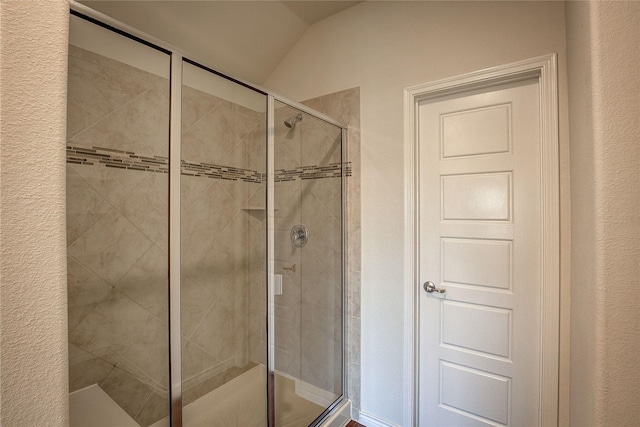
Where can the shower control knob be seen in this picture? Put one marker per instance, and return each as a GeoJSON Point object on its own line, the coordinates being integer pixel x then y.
{"type": "Point", "coordinates": [299, 235]}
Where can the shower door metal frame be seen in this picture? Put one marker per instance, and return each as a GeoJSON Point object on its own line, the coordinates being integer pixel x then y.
{"type": "Point", "coordinates": [175, 207]}
{"type": "Point", "coordinates": [343, 398]}
{"type": "Point", "coordinates": [177, 58]}
{"type": "Point", "coordinates": [270, 309]}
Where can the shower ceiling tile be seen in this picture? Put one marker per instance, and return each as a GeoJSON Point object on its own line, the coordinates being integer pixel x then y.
{"type": "Point", "coordinates": [111, 247]}
{"type": "Point", "coordinates": [146, 206]}
{"type": "Point", "coordinates": [111, 183]}
{"type": "Point", "coordinates": [84, 206]}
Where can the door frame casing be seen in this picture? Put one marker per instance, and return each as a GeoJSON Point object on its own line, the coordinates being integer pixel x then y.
{"type": "Point", "coordinates": [544, 69]}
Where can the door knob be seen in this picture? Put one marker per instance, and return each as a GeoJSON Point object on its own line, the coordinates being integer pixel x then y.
{"type": "Point", "coordinates": [430, 288]}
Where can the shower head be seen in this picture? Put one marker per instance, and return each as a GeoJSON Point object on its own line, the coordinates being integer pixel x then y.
{"type": "Point", "coordinates": [291, 121]}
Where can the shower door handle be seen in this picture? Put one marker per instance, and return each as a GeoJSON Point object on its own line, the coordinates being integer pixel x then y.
{"type": "Point", "coordinates": [430, 288]}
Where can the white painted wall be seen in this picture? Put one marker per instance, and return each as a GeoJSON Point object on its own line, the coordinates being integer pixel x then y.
{"type": "Point", "coordinates": [384, 47]}
{"type": "Point", "coordinates": [33, 299]}
{"type": "Point", "coordinates": [604, 58]}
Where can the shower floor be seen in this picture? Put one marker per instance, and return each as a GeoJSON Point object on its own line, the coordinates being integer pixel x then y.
{"type": "Point", "coordinates": [240, 402]}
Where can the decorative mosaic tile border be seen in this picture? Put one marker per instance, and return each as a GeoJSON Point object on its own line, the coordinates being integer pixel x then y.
{"type": "Point", "coordinates": [207, 170]}
{"type": "Point", "coordinates": [112, 158]}
{"type": "Point", "coordinates": [121, 159]}
{"type": "Point", "coordinates": [332, 170]}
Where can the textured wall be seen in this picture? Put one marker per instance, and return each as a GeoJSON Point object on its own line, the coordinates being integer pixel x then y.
{"type": "Point", "coordinates": [33, 350]}
{"type": "Point", "coordinates": [604, 46]}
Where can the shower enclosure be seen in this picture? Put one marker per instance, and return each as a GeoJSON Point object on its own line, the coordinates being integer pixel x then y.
{"type": "Point", "coordinates": [206, 242]}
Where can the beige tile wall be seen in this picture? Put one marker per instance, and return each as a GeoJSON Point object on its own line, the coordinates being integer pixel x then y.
{"type": "Point", "coordinates": [307, 316]}
{"type": "Point", "coordinates": [117, 242]}
{"type": "Point", "coordinates": [344, 106]}
{"type": "Point", "coordinates": [117, 238]}
{"type": "Point", "coordinates": [222, 236]}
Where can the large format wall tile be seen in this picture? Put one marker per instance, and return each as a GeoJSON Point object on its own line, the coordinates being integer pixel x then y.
{"type": "Point", "coordinates": [118, 241]}
{"type": "Point", "coordinates": [202, 222]}
{"type": "Point", "coordinates": [146, 282]}
{"type": "Point", "coordinates": [84, 206]}
{"type": "Point", "coordinates": [123, 333]}
{"type": "Point", "coordinates": [146, 206]}
{"type": "Point", "coordinates": [97, 89]}
{"type": "Point", "coordinates": [111, 183]}
{"type": "Point", "coordinates": [127, 127]}
{"type": "Point", "coordinates": [210, 138]}
{"type": "Point", "coordinates": [111, 247]}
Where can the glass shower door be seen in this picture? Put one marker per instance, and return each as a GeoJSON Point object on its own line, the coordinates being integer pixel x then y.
{"type": "Point", "coordinates": [308, 285]}
{"type": "Point", "coordinates": [117, 228]}
{"type": "Point", "coordinates": [223, 251]}
{"type": "Point", "coordinates": [255, 293]}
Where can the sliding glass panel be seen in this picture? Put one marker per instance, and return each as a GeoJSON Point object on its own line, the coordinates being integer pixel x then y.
{"type": "Point", "coordinates": [223, 251]}
{"type": "Point", "coordinates": [308, 264]}
{"type": "Point", "coordinates": [117, 191]}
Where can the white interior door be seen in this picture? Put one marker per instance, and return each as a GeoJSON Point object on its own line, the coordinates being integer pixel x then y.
{"type": "Point", "coordinates": [480, 242]}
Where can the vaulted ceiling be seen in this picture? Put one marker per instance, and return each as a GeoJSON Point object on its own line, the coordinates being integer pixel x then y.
{"type": "Point", "coordinates": [244, 39]}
